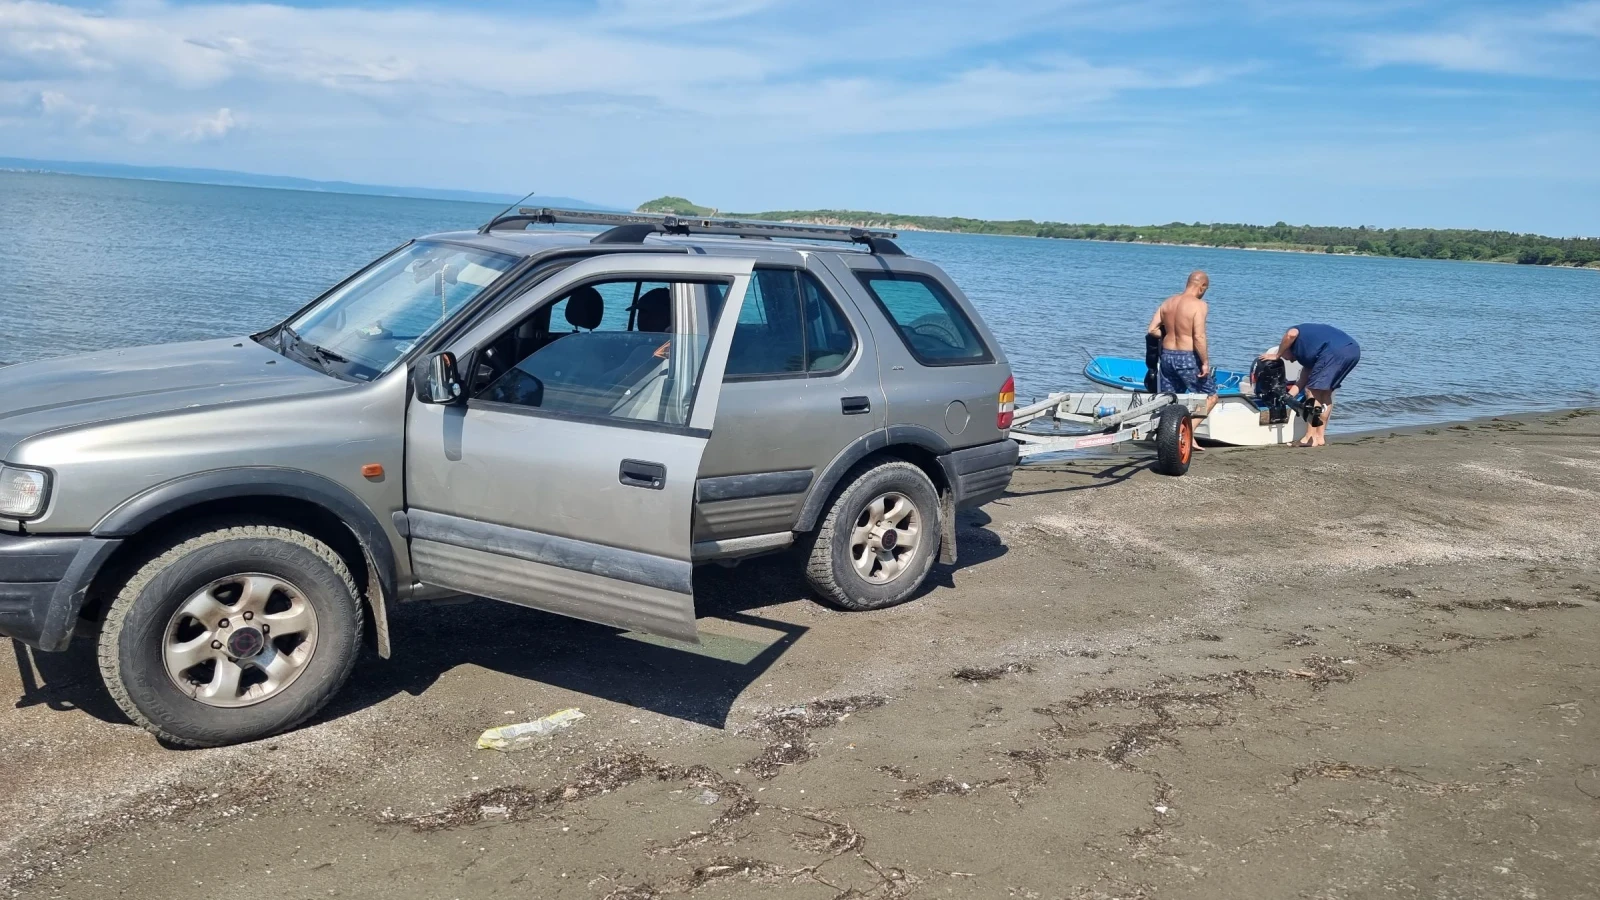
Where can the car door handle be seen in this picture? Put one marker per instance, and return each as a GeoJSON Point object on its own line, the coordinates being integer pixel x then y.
{"type": "Point", "coordinates": [641, 474]}
{"type": "Point", "coordinates": [855, 406]}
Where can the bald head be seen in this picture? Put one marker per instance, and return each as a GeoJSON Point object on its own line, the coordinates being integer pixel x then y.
{"type": "Point", "coordinates": [1197, 284]}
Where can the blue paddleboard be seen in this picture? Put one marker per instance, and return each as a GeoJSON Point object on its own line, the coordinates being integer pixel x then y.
{"type": "Point", "coordinates": [1128, 375]}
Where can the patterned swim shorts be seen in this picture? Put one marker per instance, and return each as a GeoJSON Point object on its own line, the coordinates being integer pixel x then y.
{"type": "Point", "coordinates": [1180, 373]}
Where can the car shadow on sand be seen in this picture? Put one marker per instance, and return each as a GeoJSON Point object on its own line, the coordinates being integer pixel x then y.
{"type": "Point", "coordinates": [1089, 474]}
{"type": "Point", "coordinates": [694, 683]}
{"type": "Point", "coordinates": [685, 681]}
{"type": "Point", "coordinates": [65, 682]}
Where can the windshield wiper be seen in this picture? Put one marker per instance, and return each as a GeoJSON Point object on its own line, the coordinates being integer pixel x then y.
{"type": "Point", "coordinates": [287, 338]}
{"type": "Point", "coordinates": [327, 355]}
{"type": "Point", "coordinates": [290, 343]}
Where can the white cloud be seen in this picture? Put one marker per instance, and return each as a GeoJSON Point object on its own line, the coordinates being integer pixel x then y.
{"type": "Point", "coordinates": [1562, 42]}
{"type": "Point", "coordinates": [55, 39]}
{"type": "Point", "coordinates": [676, 13]}
{"type": "Point", "coordinates": [635, 57]}
{"type": "Point", "coordinates": [902, 104]}
{"type": "Point", "coordinates": [212, 127]}
{"type": "Point", "coordinates": [64, 113]}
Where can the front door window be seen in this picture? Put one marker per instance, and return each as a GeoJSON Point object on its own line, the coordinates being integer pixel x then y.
{"type": "Point", "coordinates": [622, 350]}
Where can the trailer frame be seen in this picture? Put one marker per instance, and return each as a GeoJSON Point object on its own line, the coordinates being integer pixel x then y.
{"type": "Point", "coordinates": [1104, 419]}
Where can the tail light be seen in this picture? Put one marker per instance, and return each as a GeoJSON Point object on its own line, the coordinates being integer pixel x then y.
{"type": "Point", "coordinates": [1008, 402]}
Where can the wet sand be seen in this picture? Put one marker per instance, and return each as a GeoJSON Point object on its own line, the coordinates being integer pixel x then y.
{"type": "Point", "coordinates": [1371, 670]}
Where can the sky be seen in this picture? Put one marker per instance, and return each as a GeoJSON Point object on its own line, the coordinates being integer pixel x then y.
{"type": "Point", "coordinates": [1336, 112]}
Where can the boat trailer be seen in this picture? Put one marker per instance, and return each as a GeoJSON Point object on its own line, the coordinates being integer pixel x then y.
{"type": "Point", "coordinates": [1081, 421]}
{"type": "Point", "coordinates": [1258, 410]}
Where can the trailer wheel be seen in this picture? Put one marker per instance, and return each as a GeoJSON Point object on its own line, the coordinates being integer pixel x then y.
{"type": "Point", "coordinates": [1174, 440]}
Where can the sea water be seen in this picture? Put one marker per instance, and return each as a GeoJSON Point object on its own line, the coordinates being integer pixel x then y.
{"type": "Point", "coordinates": [95, 263]}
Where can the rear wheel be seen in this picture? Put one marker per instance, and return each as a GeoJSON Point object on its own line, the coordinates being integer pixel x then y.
{"type": "Point", "coordinates": [231, 635]}
{"type": "Point", "coordinates": [1174, 440]}
{"type": "Point", "coordinates": [879, 539]}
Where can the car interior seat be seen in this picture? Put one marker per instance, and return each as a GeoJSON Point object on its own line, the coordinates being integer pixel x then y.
{"type": "Point", "coordinates": [585, 309]}
{"type": "Point", "coordinates": [653, 311]}
{"type": "Point", "coordinates": [642, 378]}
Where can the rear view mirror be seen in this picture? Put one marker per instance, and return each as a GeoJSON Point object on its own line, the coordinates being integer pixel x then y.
{"type": "Point", "coordinates": [437, 380]}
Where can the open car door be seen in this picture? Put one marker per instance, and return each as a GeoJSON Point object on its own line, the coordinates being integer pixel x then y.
{"type": "Point", "coordinates": [565, 481]}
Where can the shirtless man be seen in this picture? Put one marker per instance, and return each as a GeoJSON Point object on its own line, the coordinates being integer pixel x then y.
{"type": "Point", "coordinates": [1180, 322]}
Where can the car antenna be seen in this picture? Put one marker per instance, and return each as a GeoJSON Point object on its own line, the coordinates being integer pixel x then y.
{"type": "Point", "coordinates": [496, 216]}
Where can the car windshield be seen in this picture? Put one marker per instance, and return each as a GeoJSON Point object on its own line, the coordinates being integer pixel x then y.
{"type": "Point", "coordinates": [362, 329]}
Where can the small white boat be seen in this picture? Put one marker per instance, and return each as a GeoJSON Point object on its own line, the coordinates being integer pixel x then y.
{"type": "Point", "coordinates": [1236, 420]}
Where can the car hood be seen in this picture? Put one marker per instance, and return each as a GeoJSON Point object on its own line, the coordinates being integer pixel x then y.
{"type": "Point", "coordinates": [40, 397]}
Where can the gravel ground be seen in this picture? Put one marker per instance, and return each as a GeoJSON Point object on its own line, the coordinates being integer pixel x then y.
{"type": "Point", "coordinates": [1363, 671]}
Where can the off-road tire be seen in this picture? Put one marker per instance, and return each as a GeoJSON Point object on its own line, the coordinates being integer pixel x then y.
{"type": "Point", "coordinates": [1174, 440]}
{"type": "Point", "coordinates": [828, 565]}
{"type": "Point", "coordinates": [132, 635]}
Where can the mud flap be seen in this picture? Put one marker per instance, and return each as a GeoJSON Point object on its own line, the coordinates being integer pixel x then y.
{"type": "Point", "coordinates": [379, 607]}
{"type": "Point", "coordinates": [947, 527]}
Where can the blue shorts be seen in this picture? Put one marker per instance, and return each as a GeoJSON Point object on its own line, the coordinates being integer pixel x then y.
{"type": "Point", "coordinates": [1328, 371]}
{"type": "Point", "coordinates": [1179, 373]}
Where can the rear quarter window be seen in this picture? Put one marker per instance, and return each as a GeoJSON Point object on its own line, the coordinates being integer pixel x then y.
{"type": "Point", "coordinates": [931, 323]}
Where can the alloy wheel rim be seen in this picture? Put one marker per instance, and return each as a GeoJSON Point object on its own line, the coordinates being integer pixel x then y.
{"type": "Point", "coordinates": [240, 640]}
{"type": "Point", "coordinates": [885, 537]}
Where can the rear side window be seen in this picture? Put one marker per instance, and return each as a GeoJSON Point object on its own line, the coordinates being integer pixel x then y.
{"type": "Point", "coordinates": [788, 326]}
{"type": "Point", "coordinates": [828, 339]}
{"type": "Point", "coordinates": [768, 339]}
{"type": "Point", "coordinates": [929, 320]}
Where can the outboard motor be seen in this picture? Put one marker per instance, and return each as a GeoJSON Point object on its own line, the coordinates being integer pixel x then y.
{"type": "Point", "coordinates": [1272, 390]}
{"type": "Point", "coordinates": [1152, 361]}
{"type": "Point", "coordinates": [1272, 395]}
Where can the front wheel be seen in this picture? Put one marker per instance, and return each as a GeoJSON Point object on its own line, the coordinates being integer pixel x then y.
{"type": "Point", "coordinates": [879, 539]}
{"type": "Point", "coordinates": [231, 635]}
{"type": "Point", "coordinates": [1174, 440]}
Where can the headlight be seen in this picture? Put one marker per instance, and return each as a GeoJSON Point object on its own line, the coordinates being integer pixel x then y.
{"type": "Point", "coordinates": [23, 492]}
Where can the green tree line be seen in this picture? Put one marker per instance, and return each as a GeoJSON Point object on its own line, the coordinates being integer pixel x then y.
{"type": "Point", "coordinates": [1411, 243]}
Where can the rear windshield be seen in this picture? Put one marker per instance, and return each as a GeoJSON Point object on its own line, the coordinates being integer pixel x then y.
{"type": "Point", "coordinates": [929, 320]}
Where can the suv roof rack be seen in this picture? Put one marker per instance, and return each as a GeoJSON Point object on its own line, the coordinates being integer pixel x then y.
{"type": "Point", "coordinates": [633, 228]}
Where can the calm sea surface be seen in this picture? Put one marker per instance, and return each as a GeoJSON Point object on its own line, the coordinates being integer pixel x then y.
{"type": "Point", "coordinates": [93, 263]}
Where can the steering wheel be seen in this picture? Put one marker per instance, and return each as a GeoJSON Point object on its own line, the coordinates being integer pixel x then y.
{"type": "Point", "coordinates": [939, 329]}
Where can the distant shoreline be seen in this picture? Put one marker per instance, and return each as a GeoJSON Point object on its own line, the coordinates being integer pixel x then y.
{"type": "Point", "coordinates": [914, 229]}
{"type": "Point", "coordinates": [1590, 267]}
{"type": "Point", "coordinates": [1458, 244]}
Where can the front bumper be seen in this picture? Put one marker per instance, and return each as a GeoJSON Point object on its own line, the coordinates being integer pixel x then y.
{"type": "Point", "coordinates": [43, 582]}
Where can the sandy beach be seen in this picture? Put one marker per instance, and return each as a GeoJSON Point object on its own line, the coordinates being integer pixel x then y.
{"type": "Point", "coordinates": [1370, 670]}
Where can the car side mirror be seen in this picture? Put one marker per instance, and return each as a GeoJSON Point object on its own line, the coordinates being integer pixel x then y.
{"type": "Point", "coordinates": [438, 382]}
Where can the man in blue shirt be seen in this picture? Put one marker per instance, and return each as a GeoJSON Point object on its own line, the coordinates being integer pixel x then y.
{"type": "Point", "coordinates": [1326, 355]}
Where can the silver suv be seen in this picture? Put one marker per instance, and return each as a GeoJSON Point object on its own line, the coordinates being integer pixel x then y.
{"type": "Point", "coordinates": [564, 420]}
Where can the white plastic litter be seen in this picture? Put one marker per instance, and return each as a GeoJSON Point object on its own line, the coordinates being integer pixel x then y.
{"type": "Point", "coordinates": [516, 737]}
